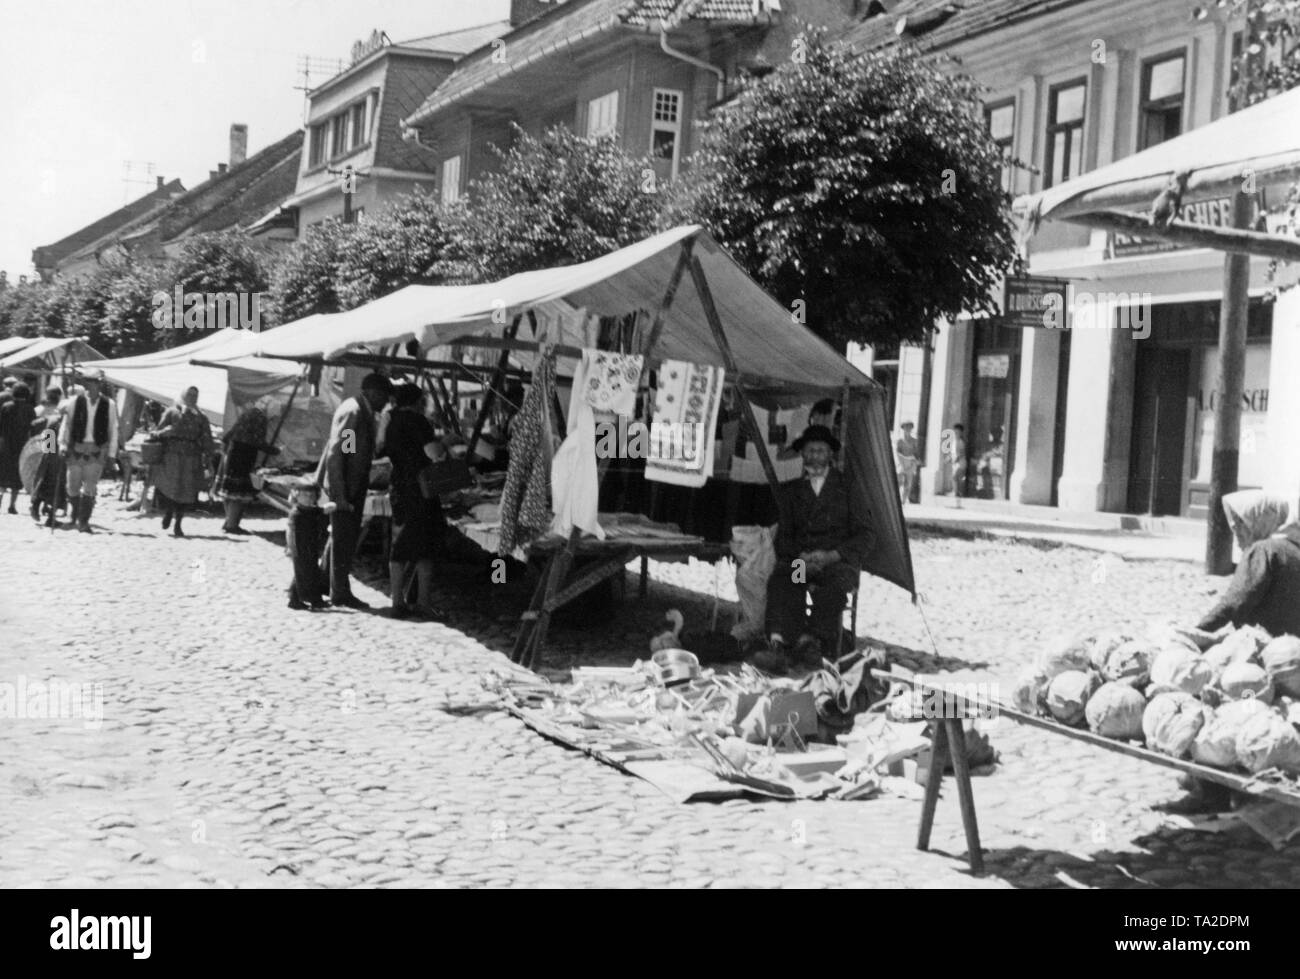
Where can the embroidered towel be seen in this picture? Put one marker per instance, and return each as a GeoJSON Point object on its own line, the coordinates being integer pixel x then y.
{"type": "Point", "coordinates": [575, 482]}
{"type": "Point", "coordinates": [684, 423]}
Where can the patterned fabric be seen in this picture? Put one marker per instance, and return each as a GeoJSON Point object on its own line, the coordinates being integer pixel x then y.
{"type": "Point", "coordinates": [525, 503]}
{"type": "Point", "coordinates": [684, 424]}
{"type": "Point", "coordinates": [610, 381]}
{"type": "Point", "coordinates": [186, 449]}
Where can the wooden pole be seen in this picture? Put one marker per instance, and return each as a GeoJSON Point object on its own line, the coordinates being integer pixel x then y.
{"type": "Point", "coordinates": [1232, 378]}
{"type": "Point", "coordinates": [498, 380]}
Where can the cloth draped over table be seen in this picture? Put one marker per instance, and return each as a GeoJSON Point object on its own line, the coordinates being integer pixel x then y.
{"type": "Point", "coordinates": [604, 381]}
{"type": "Point", "coordinates": [684, 424]}
{"type": "Point", "coordinates": [525, 510]}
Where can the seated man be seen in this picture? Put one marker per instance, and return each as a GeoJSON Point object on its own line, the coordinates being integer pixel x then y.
{"type": "Point", "coordinates": [821, 543]}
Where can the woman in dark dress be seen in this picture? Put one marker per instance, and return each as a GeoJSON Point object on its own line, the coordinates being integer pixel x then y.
{"type": "Point", "coordinates": [16, 418]}
{"type": "Point", "coordinates": [187, 446]}
{"type": "Point", "coordinates": [244, 442]}
{"type": "Point", "coordinates": [50, 487]}
{"type": "Point", "coordinates": [418, 524]}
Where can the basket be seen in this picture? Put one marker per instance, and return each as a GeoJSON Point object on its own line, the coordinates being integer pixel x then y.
{"type": "Point", "coordinates": [151, 453]}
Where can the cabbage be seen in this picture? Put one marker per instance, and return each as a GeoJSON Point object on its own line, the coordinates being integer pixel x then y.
{"type": "Point", "coordinates": [1068, 695]}
{"type": "Point", "coordinates": [1029, 692]}
{"type": "Point", "coordinates": [1216, 742]}
{"type": "Point", "coordinates": [1163, 634]}
{"type": "Point", "coordinates": [1102, 645]}
{"type": "Point", "coordinates": [1115, 711]}
{"type": "Point", "coordinates": [1242, 646]}
{"type": "Point", "coordinates": [1171, 722]}
{"type": "Point", "coordinates": [1269, 741]}
{"type": "Point", "coordinates": [1245, 680]}
{"type": "Point", "coordinates": [1178, 669]}
{"type": "Point", "coordinates": [1061, 654]}
{"type": "Point", "coordinates": [1130, 663]}
{"type": "Point", "coordinates": [1281, 658]}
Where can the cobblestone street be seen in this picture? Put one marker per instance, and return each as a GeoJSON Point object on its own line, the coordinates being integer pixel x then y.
{"type": "Point", "coordinates": [247, 745]}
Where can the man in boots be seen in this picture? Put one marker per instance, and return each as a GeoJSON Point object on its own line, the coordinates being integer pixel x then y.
{"type": "Point", "coordinates": [88, 439]}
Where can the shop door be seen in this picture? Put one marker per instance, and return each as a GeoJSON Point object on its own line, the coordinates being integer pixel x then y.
{"type": "Point", "coordinates": [1162, 380]}
{"type": "Point", "coordinates": [992, 411]}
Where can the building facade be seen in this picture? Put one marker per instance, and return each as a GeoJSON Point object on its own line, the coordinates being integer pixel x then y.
{"type": "Point", "coordinates": [1114, 411]}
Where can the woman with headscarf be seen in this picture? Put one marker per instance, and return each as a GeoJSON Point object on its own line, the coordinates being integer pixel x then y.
{"type": "Point", "coordinates": [419, 527]}
{"type": "Point", "coordinates": [187, 446]}
{"type": "Point", "coordinates": [244, 442]}
{"type": "Point", "coordinates": [1265, 589]}
{"type": "Point", "coordinates": [50, 486]}
{"type": "Point", "coordinates": [16, 418]}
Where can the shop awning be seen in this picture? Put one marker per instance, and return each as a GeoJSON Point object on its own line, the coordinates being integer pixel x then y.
{"type": "Point", "coordinates": [11, 344]}
{"type": "Point", "coordinates": [50, 354]}
{"type": "Point", "coordinates": [1255, 148]}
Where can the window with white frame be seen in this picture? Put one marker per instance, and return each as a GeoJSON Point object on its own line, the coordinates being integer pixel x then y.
{"type": "Point", "coordinates": [1160, 115]}
{"type": "Point", "coordinates": [1065, 108]}
{"type": "Point", "coordinates": [451, 180]}
{"type": "Point", "coordinates": [1000, 120]}
{"type": "Point", "coordinates": [602, 115]}
{"type": "Point", "coordinates": [357, 127]}
{"type": "Point", "coordinates": [666, 131]}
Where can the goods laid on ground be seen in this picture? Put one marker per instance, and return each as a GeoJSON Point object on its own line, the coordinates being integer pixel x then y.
{"type": "Point", "coordinates": [699, 734]}
{"type": "Point", "coordinates": [1230, 700]}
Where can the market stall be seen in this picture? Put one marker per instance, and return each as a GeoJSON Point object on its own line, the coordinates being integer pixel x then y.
{"type": "Point", "coordinates": [677, 301]}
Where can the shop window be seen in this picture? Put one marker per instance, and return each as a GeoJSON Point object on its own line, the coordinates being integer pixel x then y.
{"type": "Point", "coordinates": [1161, 114]}
{"type": "Point", "coordinates": [1000, 121]}
{"type": "Point", "coordinates": [1065, 108]}
{"type": "Point", "coordinates": [451, 180]}
{"type": "Point", "coordinates": [666, 132]}
{"type": "Point", "coordinates": [602, 115]}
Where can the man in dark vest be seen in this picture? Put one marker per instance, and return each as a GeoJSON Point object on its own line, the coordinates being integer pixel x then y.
{"type": "Point", "coordinates": [822, 540]}
{"type": "Point", "coordinates": [88, 439]}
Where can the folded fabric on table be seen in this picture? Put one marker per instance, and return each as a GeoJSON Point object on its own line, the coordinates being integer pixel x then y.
{"type": "Point", "coordinates": [684, 423]}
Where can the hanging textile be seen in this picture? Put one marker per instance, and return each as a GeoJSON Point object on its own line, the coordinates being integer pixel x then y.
{"type": "Point", "coordinates": [609, 381]}
{"type": "Point", "coordinates": [748, 468]}
{"type": "Point", "coordinates": [525, 509]}
{"type": "Point", "coordinates": [685, 423]}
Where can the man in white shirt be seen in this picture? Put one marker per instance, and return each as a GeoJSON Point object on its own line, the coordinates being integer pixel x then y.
{"type": "Point", "coordinates": [88, 439]}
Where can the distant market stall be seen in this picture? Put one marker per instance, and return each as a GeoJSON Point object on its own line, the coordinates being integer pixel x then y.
{"type": "Point", "coordinates": [617, 322]}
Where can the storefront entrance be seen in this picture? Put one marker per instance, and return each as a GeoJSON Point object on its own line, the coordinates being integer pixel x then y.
{"type": "Point", "coordinates": [990, 424]}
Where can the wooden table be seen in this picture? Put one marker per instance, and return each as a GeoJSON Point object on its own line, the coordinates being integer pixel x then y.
{"type": "Point", "coordinates": [949, 734]}
{"type": "Point", "coordinates": [609, 557]}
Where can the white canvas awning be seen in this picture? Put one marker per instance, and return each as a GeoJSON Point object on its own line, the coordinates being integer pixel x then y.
{"type": "Point", "coordinates": [11, 344]}
{"type": "Point", "coordinates": [49, 354]}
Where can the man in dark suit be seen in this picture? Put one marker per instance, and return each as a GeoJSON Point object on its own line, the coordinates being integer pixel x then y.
{"type": "Point", "coordinates": [821, 543]}
{"type": "Point", "coordinates": [344, 475]}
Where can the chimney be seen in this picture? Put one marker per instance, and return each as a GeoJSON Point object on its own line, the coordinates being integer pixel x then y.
{"type": "Point", "coordinates": [221, 168]}
{"type": "Point", "coordinates": [238, 143]}
{"type": "Point", "coordinates": [160, 183]}
{"type": "Point", "coordinates": [522, 11]}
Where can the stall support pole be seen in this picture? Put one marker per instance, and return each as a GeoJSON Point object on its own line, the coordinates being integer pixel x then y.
{"type": "Point", "coordinates": [715, 324]}
{"type": "Point", "coordinates": [1232, 378]}
{"type": "Point", "coordinates": [489, 396]}
{"type": "Point", "coordinates": [288, 407]}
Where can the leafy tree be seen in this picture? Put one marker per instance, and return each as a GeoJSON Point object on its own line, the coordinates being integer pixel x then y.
{"type": "Point", "coordinates": [554, 200]}
{"type": "Point", "coordinates": [865, 186]}
{"type": "Point", "coordinates": [305, 278]}
{"type": "Point", "coordinates": [399, 246]}
{"type": "Point", "coordinates": [211, 263]}
{"type": "Point", "coordinates": [127, 295]}
{"type": "Point", "coordinates": [1269, 60]}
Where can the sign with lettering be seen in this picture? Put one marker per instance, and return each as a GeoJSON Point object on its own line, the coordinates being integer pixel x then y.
{"type": "Point", "coordinates": [993, 365]}
{"type": "Point", "coordinates": [1025, 299]}
{"type": "Point", "coordinates": [1214, 212]}
{"type": "Point", "coordinates": [373, 43]}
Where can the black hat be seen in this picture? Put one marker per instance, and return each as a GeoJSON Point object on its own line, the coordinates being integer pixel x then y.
{"type": "Point", "coordinates": [816, 433]}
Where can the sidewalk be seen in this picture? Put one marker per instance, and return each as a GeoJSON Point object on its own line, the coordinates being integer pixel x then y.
{"type": "Point", "coordinates": [1134, 538]}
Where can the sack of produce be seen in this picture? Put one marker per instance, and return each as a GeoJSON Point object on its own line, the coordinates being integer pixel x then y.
{"type": "Point", "coordinates": [1242, 646]}
{"type": "Point", "coordinates": [1065, 652]}
{"type": "Point", "coordinates": [1029, 693]}
{"type": "Point", "coordinates": [1103, 644]}
{"type": "Point", "coordinates": [1171, 722]}
{"type": "Point", "coordinates": [1269, 741]}
{"type": "Point", "coordinates": [1181, 670]}
{"type": "Point", "coordinates": [1216, 742]}
{"type": "Point", "coordinates": [1131, 662]}
{"type": "Point", "coordinates": [1067, 697]}
{"type": "Point", "coordinates": [1281, 658]}
{"type": "Point", "coordinates": [1115, 711]}
{"type": "Point", "coordinates": [1240, 681]}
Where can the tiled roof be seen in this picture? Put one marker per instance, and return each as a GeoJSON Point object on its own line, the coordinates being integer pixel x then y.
{"type": "Point", "coordinates": [407, 82]}
{"type": "Point", "coordinates": [462, 41]}
{"type": "Point", "coordinates": [568, 25]}
{"type": "Point", "coordinates": [973, 17]}
{"type": "Point", "coordinates": [47, 256]}
{"type": "Point", "coordinates": [229, 199]}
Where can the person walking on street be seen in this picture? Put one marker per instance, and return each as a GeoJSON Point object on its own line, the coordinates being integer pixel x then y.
{"type": "Point", "coordinates": [909, 461]}
{"type": "Point", "coordinates": [187, 445]}
{"type": "Point", "coordinates": [244, 442]}
{"type": "Point", "coordinates": [50, 486]}
{"type": "Point", "coordinates": [344, 475]}
{"type": "Point", "coordinates": [16, 418]}
{"type": "Point", "coordinates": [88, 439]}
{"type": "Point", "coordinates": [957, 459]}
